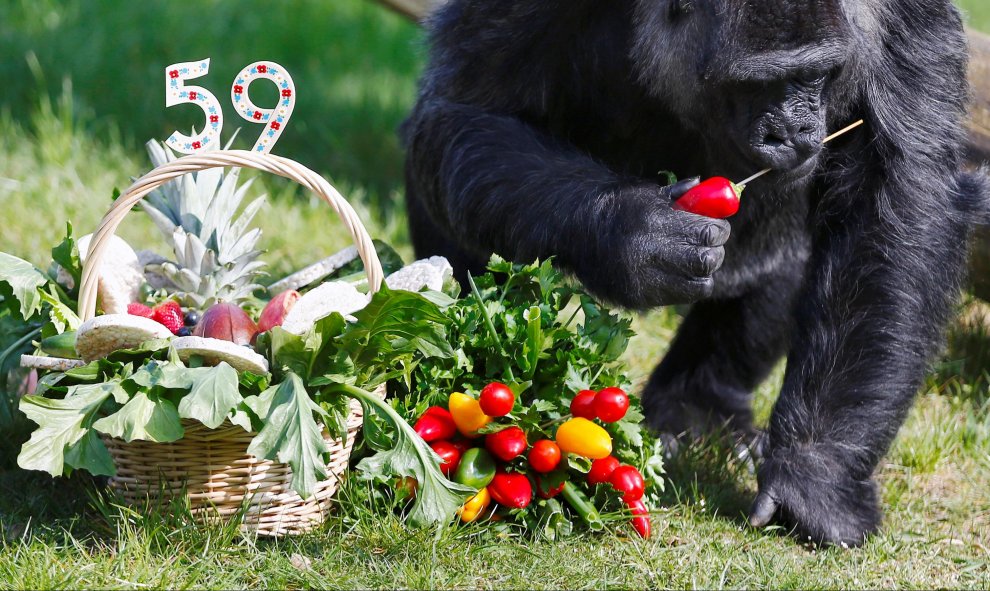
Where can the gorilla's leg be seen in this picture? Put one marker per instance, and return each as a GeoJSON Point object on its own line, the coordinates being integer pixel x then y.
{"type": "Point", "coordinates": [723, 350]}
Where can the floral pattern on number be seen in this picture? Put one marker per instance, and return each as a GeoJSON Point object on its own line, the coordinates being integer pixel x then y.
{"type": "Point", "coordinates": [274, 119]}
{"type": "Point", "coordinates": [178, 92]}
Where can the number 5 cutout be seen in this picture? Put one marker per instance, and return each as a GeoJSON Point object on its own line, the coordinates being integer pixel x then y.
{"type": "Point", "coordinates": [275, 119]}
{"type": "Point", "coordinates": [178, 93]}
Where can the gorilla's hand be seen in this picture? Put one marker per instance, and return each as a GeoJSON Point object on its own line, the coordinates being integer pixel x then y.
{"type": "Point", "coordinates": [813, 492]}
{"type": "Point", "coordinates": [656, 255]}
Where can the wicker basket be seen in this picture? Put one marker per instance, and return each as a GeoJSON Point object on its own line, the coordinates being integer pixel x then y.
{"type": "Point", "coordinates": [211, 466]}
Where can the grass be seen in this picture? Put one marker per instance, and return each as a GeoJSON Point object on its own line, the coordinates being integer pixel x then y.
{"type": "Point", "coordinates": [71, 129]}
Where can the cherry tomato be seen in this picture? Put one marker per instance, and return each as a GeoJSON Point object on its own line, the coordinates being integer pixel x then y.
{"type": "Point", "coordinates": [583, 404]}
{"type": "Point", "coordinates": [496, 399]}
{"type": "Point", "coordinates": [628, 481]}
{"type": "Point", "coordinates": [435, 424]}
{"type": "Point", "coordinates": [545, 456]}
{"type": "Point", "coordinates": [450, 455]}
{"type": "Point", "coordinates": [611, 404]}
{"type": "Point", "coordinates": [511, 490]}
{"type": "Point", "coordinates": [602, 469]}
{"type": "Point", "coordinates": [405, 487]}
{"type": "Point", "coordinates": [641, 518]}
{"type": "Point", "coordinates": [507, 444]}
{"type": "Point", "coordinates": [462, 445]}
{"type": "Point", "coordinates": [545, 492]}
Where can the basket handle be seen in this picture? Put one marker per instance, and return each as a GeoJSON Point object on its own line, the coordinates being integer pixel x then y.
{"type": "Point", "coordinates": [218, 159]}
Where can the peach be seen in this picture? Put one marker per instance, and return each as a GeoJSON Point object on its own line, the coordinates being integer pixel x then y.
{"type": "Point", "coordinates": [277, 309]}
{"type": "Point", "coordinates": [226, 322]}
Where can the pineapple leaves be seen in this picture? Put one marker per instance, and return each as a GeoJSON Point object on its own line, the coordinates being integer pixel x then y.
{"type": "Point", "coordinates": [216, 255]}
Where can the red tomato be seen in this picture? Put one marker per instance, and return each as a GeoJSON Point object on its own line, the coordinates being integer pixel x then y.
{"type": "Point", "coordinates": [583, 405]}
{"type": "Point", "coordinates": [611, 404]}
{"type": "Point", "coordinates": [450, 455]}
{"type": "Point", "coordinates": [462, 445]}
{"type": "Point", "coordinates": [507, 444]}
{"type": "Point", "coordinates": [511, 490]}
{"type": "Point", "coordinates": [435, 424]}
{"type": "Point", "coordinates": [641, 518]}
{"type": "Point", "coordinates": [548, 493]}
{"type": "Point", "coordinates": [496, 399]}
{"type": "Point", "coordinates": [602, 469]}
{"type": "Point", "coordinates": [545, 456]}
{"type": "Point", "coordinates": [628, 481]}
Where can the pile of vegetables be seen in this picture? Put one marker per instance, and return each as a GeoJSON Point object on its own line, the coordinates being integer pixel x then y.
{"type": "Point", "coordinates": [482, 446]}
{"type": "Point", "coordinates": [530, 409]}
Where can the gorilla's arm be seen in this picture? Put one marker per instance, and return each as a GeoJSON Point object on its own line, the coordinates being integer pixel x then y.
{"type": "Point", "coordinates": [498, 183]}
{"type": "Point", "coordinates": [887, 262]}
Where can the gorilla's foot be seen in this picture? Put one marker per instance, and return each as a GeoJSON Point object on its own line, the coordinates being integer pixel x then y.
{"type": "Point", "coordinates": [815, 495]}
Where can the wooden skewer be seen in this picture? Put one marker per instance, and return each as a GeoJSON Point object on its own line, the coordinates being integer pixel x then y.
{"type": "Point", "coordinates": [825, 141]}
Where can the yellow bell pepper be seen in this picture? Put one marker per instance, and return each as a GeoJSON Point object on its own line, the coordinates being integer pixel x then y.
{"type": "Point", "coordinates": [475, 506]}
{"type": "Point", "coordinates": [467, 414]}
{"type": "Point", "coordinates": [584, 438]}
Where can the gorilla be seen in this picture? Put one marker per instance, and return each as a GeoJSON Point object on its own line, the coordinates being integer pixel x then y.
{"type": "Point", "coordinates": [540, 129]}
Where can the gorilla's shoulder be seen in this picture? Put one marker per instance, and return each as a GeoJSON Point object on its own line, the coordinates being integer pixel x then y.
{"type": "Point", "coordinates": [484, 50]}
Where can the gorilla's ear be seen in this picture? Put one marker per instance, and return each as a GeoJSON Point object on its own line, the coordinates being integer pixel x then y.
{"type": "Point", "coordinates": [679, 7]}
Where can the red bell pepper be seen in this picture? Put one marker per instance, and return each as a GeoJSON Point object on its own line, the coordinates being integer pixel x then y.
{"type": "Point", "coordinates": [717, 197]}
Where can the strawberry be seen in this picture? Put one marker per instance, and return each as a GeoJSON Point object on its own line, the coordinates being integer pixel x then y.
{"type": "Point", "coordinates": [139, 309]}
{"type": "Point", "coordinates": [169, 314]}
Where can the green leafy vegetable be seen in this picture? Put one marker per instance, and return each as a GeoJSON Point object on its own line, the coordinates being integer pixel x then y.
{"type": "Point", "coordinates": [291, 434]}
{"type": "Point", "coordinates": [64, 431]}
{"type": "Point", "coordinates": [24, 281]}
{"type": "Point", "coordinates": [66, 256]}
{"type": "Point", "coordinates": [396, 323]}
{"type": "Point", "coordinates": [213, 395]}
{"type": "Point", "coordinates": [146, 416]}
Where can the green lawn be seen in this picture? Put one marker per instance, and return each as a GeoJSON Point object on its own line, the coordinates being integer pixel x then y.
{"type": "Point", "coordinates": [82, 93]}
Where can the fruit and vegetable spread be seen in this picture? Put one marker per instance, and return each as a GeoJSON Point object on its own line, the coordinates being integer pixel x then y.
{"type": "Point", "coordinates": [506, 403]}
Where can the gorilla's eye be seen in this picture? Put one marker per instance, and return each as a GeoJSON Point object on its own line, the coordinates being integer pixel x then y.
{"type": "Point", "coordinates": [680, 7]}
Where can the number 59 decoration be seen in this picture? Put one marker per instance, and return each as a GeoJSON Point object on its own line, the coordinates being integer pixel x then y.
{"type": "Point", "coordinates": [177, 92]}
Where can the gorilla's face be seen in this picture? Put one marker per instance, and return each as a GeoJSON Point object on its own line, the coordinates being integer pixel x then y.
{"type": "Point", "coordinates": [752, 77]}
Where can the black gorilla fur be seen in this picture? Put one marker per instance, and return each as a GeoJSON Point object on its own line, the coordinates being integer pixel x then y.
{"type": "Point", "coordinates": [540, 130]}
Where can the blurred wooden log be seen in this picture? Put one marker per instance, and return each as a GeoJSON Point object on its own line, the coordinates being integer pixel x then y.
{"type": "Point", "coordinates": [413, 9]}
{"type": "Point", "coordinates": [979, 76]}
{"type": "Point", "coordinates": [979, 151]}
{"type": "Point", "coordinates": [978, 146]}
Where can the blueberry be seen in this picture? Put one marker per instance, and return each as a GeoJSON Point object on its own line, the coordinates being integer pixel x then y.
{"type": "Point", "coordinates": [184, 332]}
{"type": "Point", "coordinates": [192, 318]}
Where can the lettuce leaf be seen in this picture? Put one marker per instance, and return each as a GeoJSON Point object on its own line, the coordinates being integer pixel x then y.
{"type": "Point", "coordinates": [214, 393]}
{"type": "Point", "coordinates": [24, 281]}
{"type": "Point", "coordinates": [65, 436]}
{"type": "Point", "coordinates": [291, 434]}
{"type": "Point", "coordinates": [146, 416]}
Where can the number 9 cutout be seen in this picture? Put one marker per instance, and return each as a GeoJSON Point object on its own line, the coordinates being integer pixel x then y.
{"type": "Point", "coordinates": [275, 119]}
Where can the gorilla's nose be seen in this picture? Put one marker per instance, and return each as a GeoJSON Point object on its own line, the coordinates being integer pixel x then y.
{"type": "Point", "coordinates": [787, 145]}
